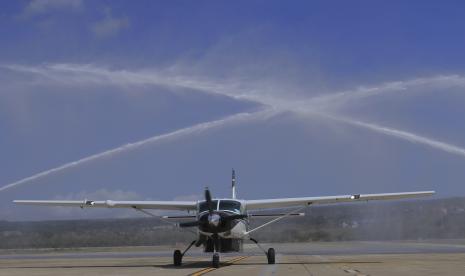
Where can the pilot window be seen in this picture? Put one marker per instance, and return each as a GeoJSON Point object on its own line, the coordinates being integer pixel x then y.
{"type": "Point", "coordinates": [230, 205]}
{"type": "Point", "coordinates": [203, 206]}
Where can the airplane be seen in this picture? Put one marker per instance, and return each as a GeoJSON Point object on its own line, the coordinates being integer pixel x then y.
{"type": "Point", "coordinates": [223, 223]}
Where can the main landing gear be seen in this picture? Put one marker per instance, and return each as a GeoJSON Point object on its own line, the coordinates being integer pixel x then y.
{"type": "Point", "coordinates": [177, 258]}
{"type": "Point", "coordinates": [270, 254]}
{"type": "Point", "coordinates": [177, 255]}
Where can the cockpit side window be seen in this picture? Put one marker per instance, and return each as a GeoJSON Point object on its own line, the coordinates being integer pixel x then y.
{"type": "Point", "coordinates": [230, 205]}
{"type": "Point", "coordinates": [203, 207]}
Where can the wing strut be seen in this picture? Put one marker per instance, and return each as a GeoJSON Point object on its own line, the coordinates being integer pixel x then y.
{"type": "Point", "coordinates": [161, 218]}
{"type": "Point", "coordinates": [276, 219]}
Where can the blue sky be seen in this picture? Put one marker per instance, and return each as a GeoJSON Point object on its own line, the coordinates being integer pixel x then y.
{"type": "Point", "coordinates": [333, 97]}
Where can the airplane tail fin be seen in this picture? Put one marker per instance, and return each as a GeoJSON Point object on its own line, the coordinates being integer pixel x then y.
{"type": "Point", "coordinates": [233, 184]}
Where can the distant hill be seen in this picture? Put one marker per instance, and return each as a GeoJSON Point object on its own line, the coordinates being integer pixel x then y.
{"type": "Point", "coordinates": [420, 219]}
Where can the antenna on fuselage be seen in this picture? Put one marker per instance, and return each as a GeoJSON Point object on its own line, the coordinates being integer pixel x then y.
{"type": "Point", "coordinates": [233, 184]}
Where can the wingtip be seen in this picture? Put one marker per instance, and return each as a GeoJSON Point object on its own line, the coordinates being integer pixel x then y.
{"type": "Point", "coordinates": [428, 193]}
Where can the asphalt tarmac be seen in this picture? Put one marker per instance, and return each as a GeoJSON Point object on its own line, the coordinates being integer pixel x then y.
{"type": "Point", "coordinates": [331, 258]}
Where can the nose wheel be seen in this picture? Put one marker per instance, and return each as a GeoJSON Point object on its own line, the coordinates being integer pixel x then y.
{"type": "Point", "coordinates": [216, 260]}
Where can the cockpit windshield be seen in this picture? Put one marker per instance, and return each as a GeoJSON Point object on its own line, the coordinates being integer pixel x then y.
{"type": "Point", "coordinates": [204, 207]}
{"type": "Point", "coordinates": [230, 205]}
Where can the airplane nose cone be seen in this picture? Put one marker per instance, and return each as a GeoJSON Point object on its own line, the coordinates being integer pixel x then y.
{"type": "Point", "coordinates": [214, 220]}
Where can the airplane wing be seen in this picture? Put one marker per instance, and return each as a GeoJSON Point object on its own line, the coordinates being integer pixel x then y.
{"type": "Point", "coordinates": [250, 204]}
{"type": "Point", "coordinates": [161, 205]}
{"type": "Point", "coordinates": [304, 201]}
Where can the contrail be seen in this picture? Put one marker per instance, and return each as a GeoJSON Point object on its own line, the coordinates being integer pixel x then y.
{"type": "Point", "coordinates": [333, 100]}
{"type": "Point", "coordinates": [91, 74]}
{"type": "Point", "coordinates": [263, 114]}
{"type": "Point", "coordinates": [404, 135]}
{"type": "Point", "coordinates": [314, 106]}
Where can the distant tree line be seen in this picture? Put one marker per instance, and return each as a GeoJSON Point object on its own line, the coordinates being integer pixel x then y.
{"type": "Point", "coordinates": [412, 220]}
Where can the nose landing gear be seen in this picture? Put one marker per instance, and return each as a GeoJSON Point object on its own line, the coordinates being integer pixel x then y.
{"type": "Point", "coordinates": [216, 260]}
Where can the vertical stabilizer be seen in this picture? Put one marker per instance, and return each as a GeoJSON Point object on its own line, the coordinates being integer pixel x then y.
{"type": "Point", "coordinates": [233, 184]}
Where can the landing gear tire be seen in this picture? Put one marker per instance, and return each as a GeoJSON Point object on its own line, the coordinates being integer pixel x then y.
{"type": "Point", "coordinates": [216, 260]}
{"type": "Point", "coordinates": [270, 256]}
{"type": "Point", "coordinates": [177, 258]}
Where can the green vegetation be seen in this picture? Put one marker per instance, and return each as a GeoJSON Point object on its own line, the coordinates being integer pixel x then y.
{"type": "Point", "coordinates": [424, 219]}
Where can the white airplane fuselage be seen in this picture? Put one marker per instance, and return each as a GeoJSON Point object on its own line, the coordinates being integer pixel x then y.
{"type": "Point", "coordinates": [227, 219]}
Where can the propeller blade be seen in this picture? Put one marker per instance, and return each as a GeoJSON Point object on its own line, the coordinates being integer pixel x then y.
{"type": "Point", "coordinates": [189, 223]}
{"type": "Point", "coordinates": [208, 199]}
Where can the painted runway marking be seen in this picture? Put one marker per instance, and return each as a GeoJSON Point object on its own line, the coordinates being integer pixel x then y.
{"type": "Point", "coordinates": [209, 269]}
{"type": "Point", "coordinates": [355, 272]}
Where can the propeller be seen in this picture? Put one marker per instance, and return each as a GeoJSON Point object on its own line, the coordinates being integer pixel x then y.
{"type": "Point", "coordinates": [214, 219]}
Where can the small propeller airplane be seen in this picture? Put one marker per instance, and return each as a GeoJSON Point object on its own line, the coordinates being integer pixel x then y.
{"type": "Point", "coordinates": [223, 224]}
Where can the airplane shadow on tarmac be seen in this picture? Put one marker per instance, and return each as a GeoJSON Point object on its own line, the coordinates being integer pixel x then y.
{"type": "Point", "coordinates": [203, 264]}
{"type": "Point", "coordinates": [73, 266]}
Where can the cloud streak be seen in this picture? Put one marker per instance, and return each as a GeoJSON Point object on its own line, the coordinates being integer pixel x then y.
{"type": "Point", "coordinates": [89, 74]}
{"type": "Point", "coordinates": [66, 73]}
{"type": "Point", "coordinates": [411, 137]}
{"type": "Point", "coordinates": [316, 106]}
{"type": "Point", "coordinates": [109, 25]}
{"type": "Point", "coordinates": [192, 130]}
{"type": "Point", "coordinates": [400, 134]}
{"type": "Point", "coordinates": [36, 7]}
{"type": "Point", "coordinates": [80, 74]}
{"type": "Point", "coordinates": [334, 100]}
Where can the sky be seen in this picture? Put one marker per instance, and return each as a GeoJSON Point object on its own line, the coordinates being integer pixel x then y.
{"type": "Point", "coordinates": [155, 100]}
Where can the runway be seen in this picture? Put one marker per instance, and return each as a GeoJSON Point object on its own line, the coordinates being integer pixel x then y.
{"type": "Point", "coordinates": [332, 258]}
